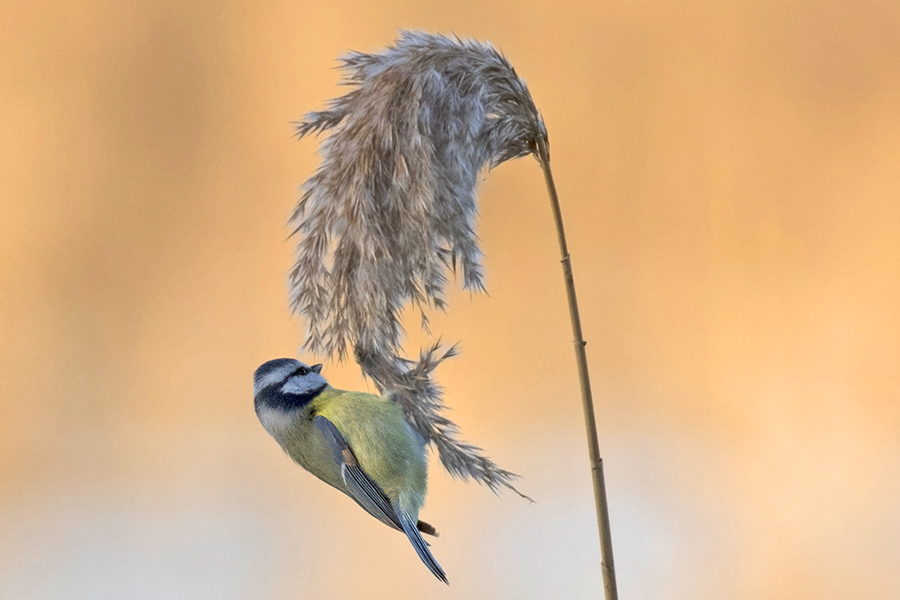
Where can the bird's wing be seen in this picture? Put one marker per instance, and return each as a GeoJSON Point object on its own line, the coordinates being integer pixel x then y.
{"type": "Point", "coordinates": [371, 497]}
{"type": "Point", "coordinates": [361, 487]}
{"type": "Point", "coordinates": [421, 546]}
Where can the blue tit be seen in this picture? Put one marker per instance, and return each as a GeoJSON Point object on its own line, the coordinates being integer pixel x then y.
{"type": "Point", "coordinates": [358, 443]}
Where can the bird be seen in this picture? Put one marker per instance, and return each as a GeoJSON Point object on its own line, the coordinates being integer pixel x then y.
{"type": "Point", "coordinates": [357, 442]}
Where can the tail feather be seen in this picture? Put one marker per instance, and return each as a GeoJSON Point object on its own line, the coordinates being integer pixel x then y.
{"type": "Point", "coordinates": [427, 528]}
{"type": "Point", "coordinates": [421, 546]}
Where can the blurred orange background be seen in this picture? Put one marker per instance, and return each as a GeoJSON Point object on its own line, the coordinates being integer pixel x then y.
{"type": "Point", "coordinates": [730, 179]}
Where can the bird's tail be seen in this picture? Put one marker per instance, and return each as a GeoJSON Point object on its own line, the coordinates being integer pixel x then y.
{"type": "Point", "coordinates": [421, 546]}
{"type": "Point", "coordinates": [427, 528]}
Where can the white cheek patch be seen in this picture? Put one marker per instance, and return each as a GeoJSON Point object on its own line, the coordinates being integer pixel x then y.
{"type": "Point", "coordinates": [302, 385]}
{"type": "Point", "coordinates": [271, 378]}
{"type": "Point", "coordinates": [276, 422]}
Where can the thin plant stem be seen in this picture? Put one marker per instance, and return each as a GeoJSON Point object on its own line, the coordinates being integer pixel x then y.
{"type": "Point", "coordinates": [393, 205]}
{"type": "Point", "coordinates": [607, 564]}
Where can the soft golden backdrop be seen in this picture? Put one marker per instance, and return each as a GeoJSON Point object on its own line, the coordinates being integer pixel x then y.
{"type": "Point", "coordinates": [730, 176]}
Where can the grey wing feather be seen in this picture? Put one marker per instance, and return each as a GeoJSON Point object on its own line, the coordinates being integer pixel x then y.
{"type": "Point", "coordinates": [366, 492]}
{"type": "Point", "coordinates": [369, 495]}
{"type": "Point", "coordinates": [421, 546]}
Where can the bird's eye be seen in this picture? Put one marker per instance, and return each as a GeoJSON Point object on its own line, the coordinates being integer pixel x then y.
{"type": "Point", "coordinates": [303, 371]}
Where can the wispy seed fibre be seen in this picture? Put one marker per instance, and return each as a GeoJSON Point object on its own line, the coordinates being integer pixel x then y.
{"type": "Point", "coordinates": [392, 208]}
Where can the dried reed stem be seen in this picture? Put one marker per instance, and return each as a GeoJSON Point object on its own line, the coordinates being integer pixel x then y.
{"type": "Point", "coordinates": [392, 209]}
{"type": "Point", "coordinates": [587, 402]}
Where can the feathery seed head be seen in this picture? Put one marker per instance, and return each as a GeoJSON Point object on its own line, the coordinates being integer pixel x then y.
{"type": "Point", "coordinates": [392, 208]}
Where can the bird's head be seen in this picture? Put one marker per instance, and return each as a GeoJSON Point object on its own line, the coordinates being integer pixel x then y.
{"type": "Point", "coordinates": [286, 384]}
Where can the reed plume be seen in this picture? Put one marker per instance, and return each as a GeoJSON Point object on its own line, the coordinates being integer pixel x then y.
{"type": "Point", "coordinates": [391, 210]}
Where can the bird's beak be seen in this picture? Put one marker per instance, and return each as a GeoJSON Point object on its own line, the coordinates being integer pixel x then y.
{"type": "Point", "coordinates": [316, 368]}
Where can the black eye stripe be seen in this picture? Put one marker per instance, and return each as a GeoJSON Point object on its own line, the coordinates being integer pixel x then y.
{"type": "Point", "coordinates": [299, 371]}
{"type": "Point", "coordinates": [273, 369]}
